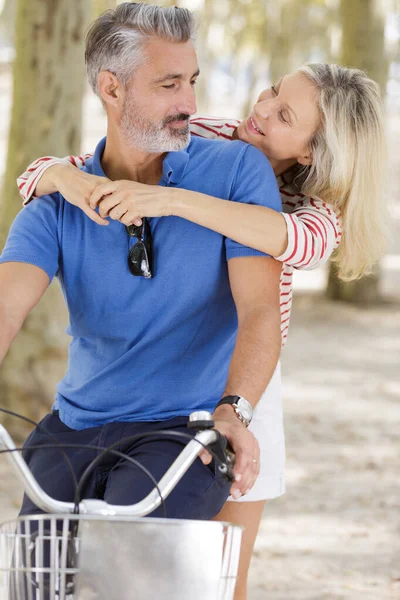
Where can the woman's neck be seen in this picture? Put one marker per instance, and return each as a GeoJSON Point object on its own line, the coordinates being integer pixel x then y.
{"type": "Point", "coordinates": [279, 166]}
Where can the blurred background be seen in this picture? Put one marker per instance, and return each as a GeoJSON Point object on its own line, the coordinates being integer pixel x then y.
{"type": "Point", "coordinates": [335, 535]}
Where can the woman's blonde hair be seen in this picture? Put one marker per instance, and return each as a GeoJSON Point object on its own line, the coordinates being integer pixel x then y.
{"type": "Point", "coordinates": [349, 159]}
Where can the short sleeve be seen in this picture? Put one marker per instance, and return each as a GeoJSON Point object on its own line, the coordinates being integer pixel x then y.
{"type": "Point", "coordinates": [255, 183]}
{"type": "Point", "coordinates": [33, 237]}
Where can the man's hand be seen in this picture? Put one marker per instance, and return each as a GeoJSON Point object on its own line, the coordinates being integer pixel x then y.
{"type": "Point", "coordinates": [244, 445]}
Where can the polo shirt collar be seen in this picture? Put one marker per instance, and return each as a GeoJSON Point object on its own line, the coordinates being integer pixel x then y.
{"type": "Point", "coordinates": [174, 164]}
{"type": "Point", "coordinates": [98, 153]}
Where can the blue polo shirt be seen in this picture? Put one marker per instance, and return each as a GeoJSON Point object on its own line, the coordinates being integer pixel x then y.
{"type": "Point", "coordinates": [146, 349]}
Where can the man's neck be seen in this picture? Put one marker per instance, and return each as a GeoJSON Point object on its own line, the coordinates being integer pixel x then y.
{"type": "Point", "coordinates": [120, 161]}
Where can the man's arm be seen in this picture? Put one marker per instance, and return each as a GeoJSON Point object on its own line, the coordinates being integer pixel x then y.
{"type": "Point", "coordinates": [22, 285]}
{"type": "Point", "coordinates": [255, 288]}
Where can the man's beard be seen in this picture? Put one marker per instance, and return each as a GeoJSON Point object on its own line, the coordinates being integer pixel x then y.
{"type": "Point", "coordinates": [145, 135]}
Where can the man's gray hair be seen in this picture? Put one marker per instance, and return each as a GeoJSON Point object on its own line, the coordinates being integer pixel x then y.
{"type": "Point", "coordinates": [115, 41]}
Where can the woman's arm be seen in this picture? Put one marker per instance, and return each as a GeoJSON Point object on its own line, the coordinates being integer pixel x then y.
{"type": "Point", "coordinates": [304, 239]}
{"type": "Point", "coordinates": [38, 178]}
{"type": "Point", "coordinates": [255, 226]}
{"type": "Point", "coordinates": [314, 232]}
{"type": "Point", "coordinates": [49, 175]}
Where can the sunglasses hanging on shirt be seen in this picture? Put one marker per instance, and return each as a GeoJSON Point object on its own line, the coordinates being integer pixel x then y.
{"type": "Point", "coordinates": [140, 257]}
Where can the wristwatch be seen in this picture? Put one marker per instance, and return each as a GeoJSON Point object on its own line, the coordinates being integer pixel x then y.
{"type": "Point", "coordinates": [241, 406]}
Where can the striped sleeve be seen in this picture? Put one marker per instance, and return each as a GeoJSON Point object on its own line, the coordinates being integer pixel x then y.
{"type": "Point", "coordinates": [212, 128]}
{"type": "Point", "coordinates": [314, 232]}
{"type": "Point", "coordinates": [28, 181]}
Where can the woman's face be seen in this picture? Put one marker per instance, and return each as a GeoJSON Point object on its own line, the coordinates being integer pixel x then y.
{"type": "Point", "coordinates": [283, 120]}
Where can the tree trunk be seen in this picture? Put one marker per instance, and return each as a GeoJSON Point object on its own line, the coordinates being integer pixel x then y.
{"type": "Point", "coordinates": [282, 34]}
{"type": "Point", "coordinates": [363, 47]}
{"type": "Point", "coordinates": [361, 291]}
{"type": "Point", "coordinates": [46, 119]}
{"type": "Point", "coordinates": [205, 55]}
{"type": "Point", "coordinates": [363, 38]}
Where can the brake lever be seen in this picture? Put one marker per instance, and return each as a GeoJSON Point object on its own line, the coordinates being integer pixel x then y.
{"type": "Point", "coordinates": [221, 448]}
{"type": "Point", "coordinates": [226, 455]}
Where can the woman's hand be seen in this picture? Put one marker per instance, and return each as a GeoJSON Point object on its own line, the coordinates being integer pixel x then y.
{"type": "Point", "coordinates": [128, 201]}
{"type": "Point", "coordinates": [76, 186]}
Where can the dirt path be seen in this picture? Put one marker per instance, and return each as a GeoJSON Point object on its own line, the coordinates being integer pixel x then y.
{"type": "Point", "coordinates": [335, 535]}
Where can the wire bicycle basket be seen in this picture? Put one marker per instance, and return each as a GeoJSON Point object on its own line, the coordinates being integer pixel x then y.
{"type": "Point", "coordinates": [87, 557]}
{"type": "Point", "coordinates": [109, 552]}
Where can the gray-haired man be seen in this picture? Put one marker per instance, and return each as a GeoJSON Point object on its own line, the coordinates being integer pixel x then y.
{"type": "Point", "coordinates": [150, 342]}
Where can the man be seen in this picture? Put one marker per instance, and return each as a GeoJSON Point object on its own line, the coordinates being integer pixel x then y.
{"type": "Point", "coordinates": [151, 341]}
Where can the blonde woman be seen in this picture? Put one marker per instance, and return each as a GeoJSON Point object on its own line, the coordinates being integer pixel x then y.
{"type": "Point", "coordinates": [322, 129]}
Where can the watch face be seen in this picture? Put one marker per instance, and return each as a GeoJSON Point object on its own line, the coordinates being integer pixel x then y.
{"type": "Point", "coordinates": [245, 408]}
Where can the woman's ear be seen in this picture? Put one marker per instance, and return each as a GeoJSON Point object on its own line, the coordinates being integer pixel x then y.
{"type": "Point", "coordinates": [305, 160]}
{"type": "Point", "coordinates": [110, 88]}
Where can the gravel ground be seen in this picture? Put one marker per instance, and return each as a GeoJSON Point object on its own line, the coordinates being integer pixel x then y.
{"type": "Point", "coordinates": [335, 534]}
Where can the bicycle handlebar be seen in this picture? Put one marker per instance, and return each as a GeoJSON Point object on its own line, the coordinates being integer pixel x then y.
{"type": "Point", "coordinates": [98, 507]}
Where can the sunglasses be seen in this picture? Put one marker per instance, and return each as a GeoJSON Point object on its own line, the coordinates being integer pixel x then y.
{"type": "Point", "coordinates": [140, 257]}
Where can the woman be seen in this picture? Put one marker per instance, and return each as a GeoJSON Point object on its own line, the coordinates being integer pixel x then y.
{"type": "Point", "coordinates": [322, 130]}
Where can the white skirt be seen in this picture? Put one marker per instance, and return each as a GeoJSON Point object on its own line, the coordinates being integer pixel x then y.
{"type": "Point", "coordinates": [267, 426]}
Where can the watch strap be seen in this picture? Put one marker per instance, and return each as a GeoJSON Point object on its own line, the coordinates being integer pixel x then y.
{"type": "Point", "coordinates": [228, 400]}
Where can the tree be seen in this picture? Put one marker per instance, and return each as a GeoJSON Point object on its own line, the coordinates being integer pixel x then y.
{"type": "Point", "coordinates": [49, 81]}
{"type": "Point", "coordinates": [253, 41]}
{"type": "Point", "coordinates": [363, 46]}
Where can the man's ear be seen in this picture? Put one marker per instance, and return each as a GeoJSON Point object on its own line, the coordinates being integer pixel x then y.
{"type": "Point", "coordinates": [110, 88]}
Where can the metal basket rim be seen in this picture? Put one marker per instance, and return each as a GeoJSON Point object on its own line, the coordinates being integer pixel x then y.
{"type": "Point", "coordinates": [225, 525]}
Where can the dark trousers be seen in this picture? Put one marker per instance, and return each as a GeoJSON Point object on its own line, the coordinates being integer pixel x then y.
{"type": "Point", "coordinates": [200, 494]}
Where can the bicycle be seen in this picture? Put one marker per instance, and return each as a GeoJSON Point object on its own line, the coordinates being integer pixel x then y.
{"type": "Point", "coordinates": [96, 551]}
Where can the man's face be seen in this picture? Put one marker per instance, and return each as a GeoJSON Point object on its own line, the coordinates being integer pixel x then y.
{"type": "Point", "coordinates": [160, 98]}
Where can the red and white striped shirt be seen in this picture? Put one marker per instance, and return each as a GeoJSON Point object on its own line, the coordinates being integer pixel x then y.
{"type": "Point", "coordinates": [314, 229]}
